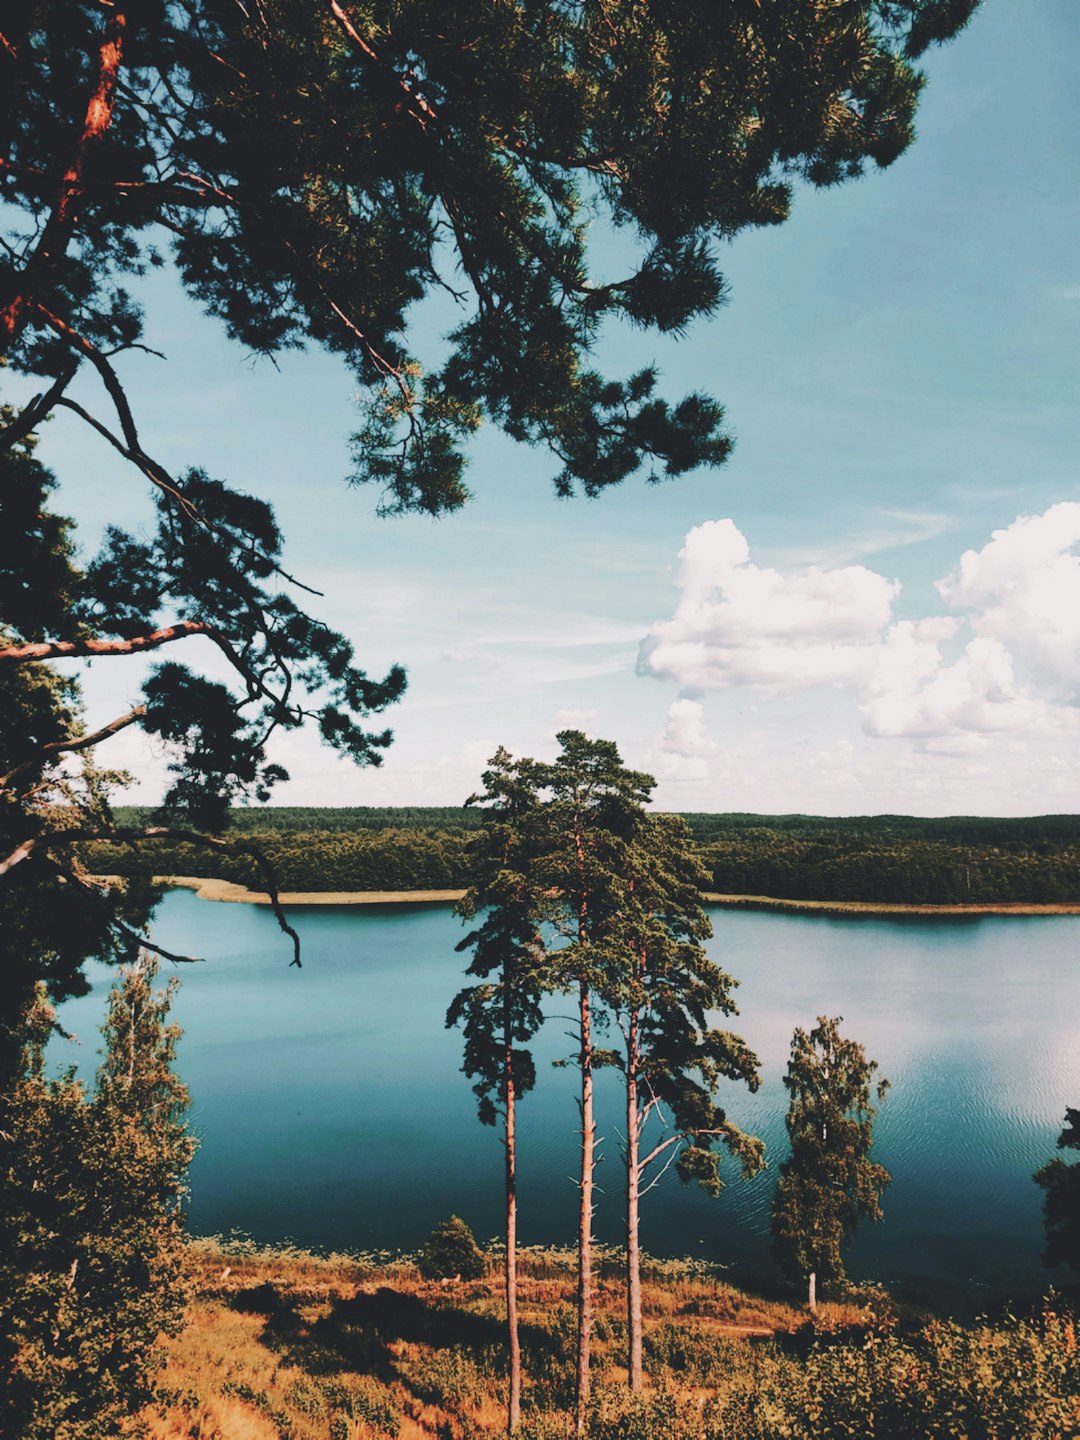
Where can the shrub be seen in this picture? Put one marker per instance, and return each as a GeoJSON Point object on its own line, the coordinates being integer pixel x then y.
{"type": "Point", "coordinates": [92, 1265]}
{"type": "Point", "coordinates": [451, 1253]}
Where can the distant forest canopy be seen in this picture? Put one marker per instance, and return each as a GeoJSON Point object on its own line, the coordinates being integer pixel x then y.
{"type": "Point", "coordinates": [887, 859]}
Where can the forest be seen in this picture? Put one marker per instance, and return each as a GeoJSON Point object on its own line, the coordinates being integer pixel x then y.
{"type": "Point", "coordinates": [890, 859]}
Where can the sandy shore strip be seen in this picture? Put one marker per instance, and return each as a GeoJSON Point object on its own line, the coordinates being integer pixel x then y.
{"type": "Point", "coordinates": [239, 894]}
{"type": "Point", "coordinates": [870, 908]}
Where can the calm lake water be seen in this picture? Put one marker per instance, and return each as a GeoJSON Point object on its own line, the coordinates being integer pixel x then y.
{"type": "Point", "coordinates": [331, 1108]}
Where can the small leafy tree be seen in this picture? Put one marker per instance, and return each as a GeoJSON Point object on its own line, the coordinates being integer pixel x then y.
{"type": "Point", "coordinates": [451, 1253]}
{"type": "Point", "coordinates": [829, 1183]}
{"type": "Point", "coordinates": [91, 1239]}
{"type": "Point", "coordinates": [1060, 1183]}
{"type": "Point", "coordinates": [501, 1013]}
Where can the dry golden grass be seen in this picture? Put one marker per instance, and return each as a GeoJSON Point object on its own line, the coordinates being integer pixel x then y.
{"type": "Point", "coordinates": [281, 1343]}
{"type": "Point", "coordinates": [873, 907]}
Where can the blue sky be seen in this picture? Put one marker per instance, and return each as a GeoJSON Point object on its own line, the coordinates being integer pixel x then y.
{"type": "Point", "coordinates": [840, 633]}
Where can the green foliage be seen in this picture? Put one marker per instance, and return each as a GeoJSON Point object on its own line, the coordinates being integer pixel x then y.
{"type": "Point", "coordinates": [1018, 1378]}
{"type": "Point", "coordinates": [616, 1415]}
{"type": "Point", "coordinates": [450, 1252]}
{"type": "Point", "coordinates": [501, 1014]}
{"type": "Point", "coordinates": [91, 1245]}
{"type": "Point", "coordinates": [887, 859]}
{"type": "Point", "coordinates": [664, 994]}
{"type": "Point", "coordinates": [829, 1183]}
{"type": "Point", "coordinates": [1060, 1183]}
{"type": "Point", "coordinates": [893, 859]}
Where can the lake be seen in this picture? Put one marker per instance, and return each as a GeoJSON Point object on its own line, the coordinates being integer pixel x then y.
{"type": "Point", "coordinates": [331, 1108]}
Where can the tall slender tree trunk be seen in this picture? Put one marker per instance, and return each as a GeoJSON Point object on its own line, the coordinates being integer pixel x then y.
{"type": "Point", "coordinates": [811, 1292]}
{"type": "Point", "coordinates": [513, 1409]}
{"type": "Point", "coordinates": [633, 1181]}
{"type": "Point", "coordinates": [588, 1142]}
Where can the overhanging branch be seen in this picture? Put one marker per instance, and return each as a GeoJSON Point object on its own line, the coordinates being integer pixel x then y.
{"type": "Point", "coordinates": [82, 742]}
{"type": "Point", "coordinates": [133, 836]}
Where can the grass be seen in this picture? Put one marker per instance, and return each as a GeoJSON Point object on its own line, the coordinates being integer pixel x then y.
{"type": "Point", "coordinates": [285, 1345]}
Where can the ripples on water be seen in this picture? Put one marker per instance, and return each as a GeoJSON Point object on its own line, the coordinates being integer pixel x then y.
{"type": "Point", "coordinates": [332, 1110]}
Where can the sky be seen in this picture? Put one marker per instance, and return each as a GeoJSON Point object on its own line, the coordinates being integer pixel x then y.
{"type": "Point", "coordinates": [874, 606]}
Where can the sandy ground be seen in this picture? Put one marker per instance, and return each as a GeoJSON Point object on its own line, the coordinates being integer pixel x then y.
{"type": "Point", "coordinates": [860, 907]}
{"type": "Point", "coordinates": [226, 890]}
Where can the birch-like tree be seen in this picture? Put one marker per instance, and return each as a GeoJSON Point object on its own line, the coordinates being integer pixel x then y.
{"type": "Point", "coordinates": [829, 1183]}
{"type": "Point", "coordinates": [665, 994]}
{"type": "Point", "coordinates": [501, 1012]}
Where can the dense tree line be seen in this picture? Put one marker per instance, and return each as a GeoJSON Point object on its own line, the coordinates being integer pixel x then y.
{"type": "Point", "coordinates": [888, 859]}
{"type": "Point", "coordinates": [836, 865]}
{"type": "Point", "coordinates": [320, 860]}
{"type": "Point", "coordinates": [335, 819]}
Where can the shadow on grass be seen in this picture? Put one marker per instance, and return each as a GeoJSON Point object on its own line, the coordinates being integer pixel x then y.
{"type": "Point", "coordinates": [362, 1335]}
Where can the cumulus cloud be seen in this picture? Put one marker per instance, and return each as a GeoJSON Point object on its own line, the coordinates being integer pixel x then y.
{"type": "Point", "coordinates": [1023, 589]}
{"type": "Point", "coordinates": [685, 733]}
{"type": "Point", "coordinates": [738, 623]}
{"type": "Point", "coordinates": [977, 695]}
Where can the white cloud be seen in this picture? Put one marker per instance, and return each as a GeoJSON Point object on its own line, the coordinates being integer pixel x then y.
{"type": "Point", "coordinates": [1023, 589]}
{"type": "Point", "coordinates": [737, 623]}
{"type": "Point", "coordinates": [977, 695]}
{"type": "Point", "coordinates": [685, 733]}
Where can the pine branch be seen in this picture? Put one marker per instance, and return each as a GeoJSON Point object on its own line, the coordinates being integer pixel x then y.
{"type": "Point", "coordinates": [82, 742]}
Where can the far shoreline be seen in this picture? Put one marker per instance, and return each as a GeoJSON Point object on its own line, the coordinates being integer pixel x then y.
{"type": "Point", "coordinates": [229, 892]}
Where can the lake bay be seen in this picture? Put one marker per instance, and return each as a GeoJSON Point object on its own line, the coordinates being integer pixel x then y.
{"type": "Point", "coordinates": [331, 1108]}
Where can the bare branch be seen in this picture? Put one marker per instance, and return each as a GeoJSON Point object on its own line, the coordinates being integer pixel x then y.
{"type": "Point", "coordinates": [83, 742]}
{"type": "Point", "coordinates": [81, 649]}
{"type": "Point", "coordinates": [132, 836]}
{"type": "Point", "coordinates": [137, 936]}
{"type": "Point", "coordinates": [39, 407]}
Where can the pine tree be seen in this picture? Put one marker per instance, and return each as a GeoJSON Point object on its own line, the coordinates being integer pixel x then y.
{"type": "Point", "coordinates": [502, 1013]}
{"type": "Point", "coordinates": [829, 1183]}
{"type": "Point", "coordinates": [591, 814]}
{"type": "Point", "coordinates": [91, 1243]}
{"type": "Point", "coordinates": [673, 1058]}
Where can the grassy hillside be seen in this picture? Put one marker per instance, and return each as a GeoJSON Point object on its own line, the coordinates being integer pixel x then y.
{"type": "Point", "coordinates": [282, 1345]}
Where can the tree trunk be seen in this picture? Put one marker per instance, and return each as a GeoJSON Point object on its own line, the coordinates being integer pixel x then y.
{"type": "Point", "coordinates": [513, 1411]}
{"type": "Point", "coordinates": [811, 1298]}
{"type": "Point", "coordinates": [633, 1180]}
{"type": "Point", "coordinates": [588, 1138]}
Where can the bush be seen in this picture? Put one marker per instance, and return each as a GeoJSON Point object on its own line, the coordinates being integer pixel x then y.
{"type": "Point", "coordinates": [451, 1253]}
{"type": "Point", "coordinates": [92, 1263]}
